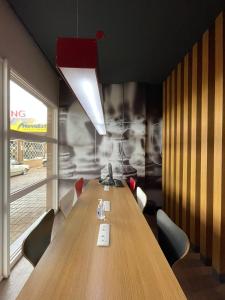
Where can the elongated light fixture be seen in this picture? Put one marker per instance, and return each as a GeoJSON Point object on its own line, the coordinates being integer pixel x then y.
{"type": "Point", "coordinates": [76, 61]}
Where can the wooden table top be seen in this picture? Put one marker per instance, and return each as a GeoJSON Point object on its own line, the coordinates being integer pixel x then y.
{"type": "Point", "coordinates": [132, 267]}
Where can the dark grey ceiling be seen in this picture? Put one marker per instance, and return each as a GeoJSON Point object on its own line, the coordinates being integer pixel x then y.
{"type": "Point", "coordinates": [144, 39]}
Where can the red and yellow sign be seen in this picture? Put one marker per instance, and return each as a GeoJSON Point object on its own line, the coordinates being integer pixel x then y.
{"type": "Point", "coordinates": [19, 122]}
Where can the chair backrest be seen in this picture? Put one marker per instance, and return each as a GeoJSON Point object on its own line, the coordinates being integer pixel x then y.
{"type": "Point", "coordinates": [141, 198]}
{"type": "Point", "coordinates": [38, 240]}
{"type": "Point", "coordinates": [132, 183]}
{"type": "Point", "coordinates": [172, 239]}
{"type": "Point", "coordinates": [67, 202]}
{"type": "Point", "coordinates": [79, 186]}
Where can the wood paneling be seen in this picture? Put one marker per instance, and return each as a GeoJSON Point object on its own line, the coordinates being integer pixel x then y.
{"type": "Point", "coordinates": [181, 142]}
{"type": "Point", "coordinates": [167, 192]}
{"type": "Point", "coordinates": [218, 258]}
{"type": "Point", "coordinates": [204, 143]}
{"type": "Point", "coordinates": [196, 243]}
{"type": "Point", "coordinates": [193, 145]}
{"type": "Point", "coordinates": [185, 145]}
{"type": "Point", "coordinates": [177, 145]}
{"type": "Point", "coordinates": [189, 143]}
{"type": "Point", "coordinates": [210, 141]}
{"type": "Point", "coordinates": [170, 188]}
{"type": "Point", "coordinates": [164, 141]}
{"type": "Point", "coordinates": [165, 153]}
{"type": "Point", "coordinates": [196, 153]}
{"type": "Point", "coordinates": [172, 137]}
{"type": "Point", "coordinates": [207, 145]}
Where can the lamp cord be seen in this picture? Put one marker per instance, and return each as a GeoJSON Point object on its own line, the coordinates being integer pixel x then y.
{"type": "Point", "coordinates": [77, 17]}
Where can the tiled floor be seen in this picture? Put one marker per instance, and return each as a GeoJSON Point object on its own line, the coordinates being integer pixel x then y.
{"type": "Point", "coordinates": [25, 210]}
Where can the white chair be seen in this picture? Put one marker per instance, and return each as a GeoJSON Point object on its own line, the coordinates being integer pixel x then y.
{"type": "Point", "coordinates": [141, 198]}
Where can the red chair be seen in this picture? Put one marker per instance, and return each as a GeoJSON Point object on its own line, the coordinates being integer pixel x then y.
{"type": "Point", "coordinates": [132, 183]}
{"type": "Point", "coordinates": [79, 186]}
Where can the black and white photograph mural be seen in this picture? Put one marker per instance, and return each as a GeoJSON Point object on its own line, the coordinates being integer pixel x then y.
{"type": "Point", "coordinates": [124, 144]}
{"type": "Point", "coordinates": [154, 136]}
{"type": "Point", "coordinates": [132, 143]}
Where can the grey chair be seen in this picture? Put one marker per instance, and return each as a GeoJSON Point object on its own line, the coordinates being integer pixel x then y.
{"type": "Point", "coordinates": [172, 239]}
{"type": "Point", "coordinates": [38, 240]}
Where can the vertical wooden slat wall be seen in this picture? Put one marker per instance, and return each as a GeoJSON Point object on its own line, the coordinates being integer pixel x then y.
{"type": "Point", "coordinates": [164, 141]}
{"type": "Point", "coordinates": [181, 140]}
{"type": "Point", "coordinates": [170, 187]}
{"type": "Point", "coordinates": [193, 145]}
{"type": "Point", "coordinates": [169, 142]}
{"type": "Point", "coordinates": [172, 137]}
{"type": "Point", "coordinates": [189, 143]}
{"type": "Point", "coordinates": [196, 243]}
{"type": "Point", "coordinates": [194, 151]}
{"type": "Point", "coordinates": [185, 145]}
{"type": "Point", "coordinates": [204, 148]}
{"type": "Point", "coordinates": [210, 144]}
{"type": "Point", "coordinates": [167, 153]}
{"type": "Point", "coordinates": [218, 259]}
{"type": "Point", "coordinates": [177, 144]}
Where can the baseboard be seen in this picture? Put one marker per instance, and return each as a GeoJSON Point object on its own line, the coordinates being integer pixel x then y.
{"type": "Point", "coordinates": [206, 260]}
{"type": "Point", "coordinates": [219, 276]}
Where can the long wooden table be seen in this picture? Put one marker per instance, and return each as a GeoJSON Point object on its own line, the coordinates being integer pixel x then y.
{"type": "Point", "coordinates": [132, 267]}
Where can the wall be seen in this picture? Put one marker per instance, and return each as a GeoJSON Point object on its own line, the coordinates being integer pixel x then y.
{"type": "Point", "coordinates": [85, 152]}
{"type": "Point", "coordinates": [132, 143]}
{"type": "Point", "coordinates": [24, 56]}
{"type": "Point", "coordinates": [125, 118]}
{"type": "Point", "coordinates": [154, 136]}
{"type": "Point", "coordinates": [193, 145]}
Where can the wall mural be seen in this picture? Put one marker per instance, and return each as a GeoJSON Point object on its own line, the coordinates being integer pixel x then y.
{"type": "Point", "coordinates": [125, 117]}
{"type": "Point", "coordinates": [153, 163]}
{"type": "Point", "coordinates": [83, 153]}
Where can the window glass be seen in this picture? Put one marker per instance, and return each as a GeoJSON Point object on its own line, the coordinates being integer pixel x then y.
{"type": "Point", "coordinates": [27, 113]}
{"type": "Point", "coordinates": [25, 211]}
{"type": "Point", "coordinates": [30, 162]}
{"type": "Point", "coordinates": [32, 153]}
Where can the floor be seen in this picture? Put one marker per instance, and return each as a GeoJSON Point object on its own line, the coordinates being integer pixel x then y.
{"type": "Point", "coordinates": [195, 278]}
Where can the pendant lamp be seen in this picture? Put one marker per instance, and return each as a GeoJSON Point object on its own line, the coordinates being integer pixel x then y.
{"type": "Point", "coordinates": [76, 60]}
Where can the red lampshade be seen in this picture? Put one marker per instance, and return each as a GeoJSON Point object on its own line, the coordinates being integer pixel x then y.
{"type": "Point", "coordinates": [76, 61]}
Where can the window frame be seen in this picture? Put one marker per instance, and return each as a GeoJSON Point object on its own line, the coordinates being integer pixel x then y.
{"type": "Point", "coordinates": [14, 250]}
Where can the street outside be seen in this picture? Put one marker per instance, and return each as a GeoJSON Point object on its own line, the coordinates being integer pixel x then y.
{"type": "Point", "coordinates": [21, 181]}
{"type": "Point", "coordinates": [24, 211]}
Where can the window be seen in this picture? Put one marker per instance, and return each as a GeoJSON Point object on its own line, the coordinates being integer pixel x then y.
{"type": "Point", "coordinates": [32, 152]}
